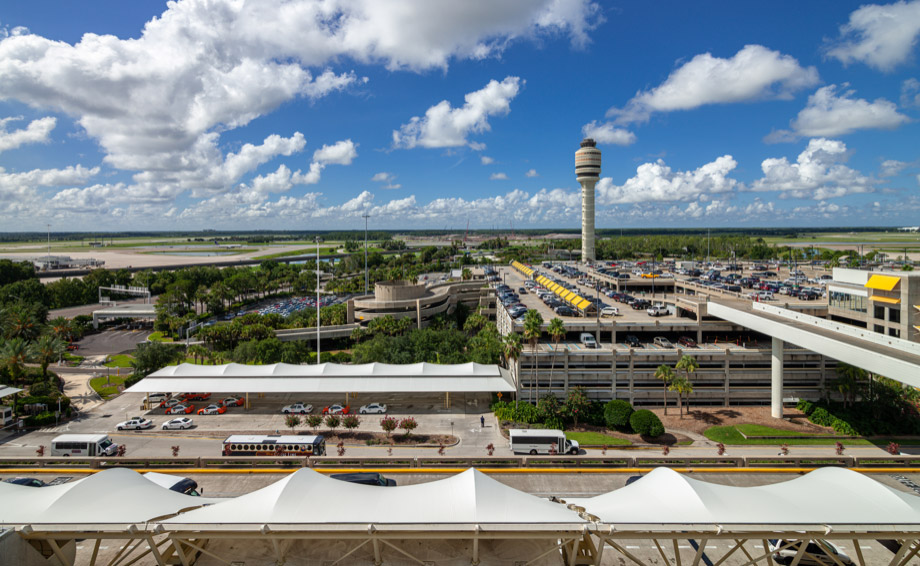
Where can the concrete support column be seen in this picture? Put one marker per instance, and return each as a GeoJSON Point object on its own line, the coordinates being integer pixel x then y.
{"type": "Point", "coordinates": [565, 391]}
{"type": "Point", "coordinates": [776, 386]}
{"type": "Point", "coordinates": [631, 376]}
{"type": "Point", "coordinates": [727, 372]}
{"type": "Point", "coordinates": [613, 373]}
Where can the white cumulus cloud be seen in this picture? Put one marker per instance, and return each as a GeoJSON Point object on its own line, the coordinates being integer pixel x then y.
{"type": "Point", "coordinates": [531, 173]}
{"type": "Point", "coordinates": [498, 177]}
{"type": "Point", "coordinates": [19, 185]}
{"type": "Point", "coordinates": [828, 114]}
{"type": "Point", "coordinates": [38, 131]}
{"type": "Point", "coordinates": [881, 36]}
{"type": "Point", "coordinates": [340, 153]}
{"type": "Point", "coordinates": [486, 160]}
{"type": "Point", "coordinates": [387, 179]}
{"type": "Point", "coordinates": [445, 126]}
{"type": "Point", "coordinates": [608, 133]}
{"type": "Point", "coordinates": [656, 182]}
{"type": "Point", "coordinates": [753, 73]}
{"type": "Point", "coordinates": [819, 173]}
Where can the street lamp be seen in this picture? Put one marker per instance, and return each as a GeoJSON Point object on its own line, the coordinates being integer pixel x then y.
{"type": "Point", "coordinates": [318, 239]}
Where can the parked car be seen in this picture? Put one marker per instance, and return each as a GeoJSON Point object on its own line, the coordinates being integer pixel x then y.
{"type": "Point", "coordinates": [180, 409]}
{"type": "Point", "coordinates": [657, 310]}
{"type": "Point", "coordinates": [233, 402]}
{"type": "Point", "coordinates": [687, 342]}
{"type": "Point", "coordinates": [196, 396]}
{"type": "Point", "coordinates": [610, 311]}
{"type": "Point", "coordinates": [181, 423]}
{"type": "Point", "coordinates": [301, 408]}
{"type": "Point", "coordinates": [815, 554]}
{"type": "Point", "coordinates": [662, 342]}
{"type": "Point", "coordinates": [373, 408]}
{"type": "Point", "coordinates": [640, 304]}
{"type": "Point", "coordinates": [135, 423]}
{"type": "Point", "coordinates": [336, 410]}
{"type": "Point", "coordinates": [564, 311]}
{"type": "Point", "coordinates": [632, 341]}
{"type": "Point", "coordinates": [167, 403]}
{"type": "Point", "coordinates": [587, 340]}
{"type": "Point", "coordinates": [212, 409]}
{"type": "Point", "coordinates": [28, 482]}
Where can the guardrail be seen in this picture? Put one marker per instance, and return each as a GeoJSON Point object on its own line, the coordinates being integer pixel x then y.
{"type": "Point", "coordinates": [447, 462]}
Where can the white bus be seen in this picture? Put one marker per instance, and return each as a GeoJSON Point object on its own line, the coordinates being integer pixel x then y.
{"type": "Point", "coordinates": [541, 441]}
{"type": "Point", "coordinates": [6, 415]}
{"type": "Point", "coordinates": [83, 445]}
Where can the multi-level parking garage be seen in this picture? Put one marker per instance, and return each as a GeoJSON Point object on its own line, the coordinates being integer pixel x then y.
{"type": "Point", "coordinates": [735, 361]}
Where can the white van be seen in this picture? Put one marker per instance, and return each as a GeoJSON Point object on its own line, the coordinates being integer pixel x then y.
{"type": "Point", "coordinates": [83, 445]}
{"type": "Point", "coordinates": [541, 441]}
{"type": "Point", "coordinates": [6, 415]}
{"type": "Point", "coordinates": [587, 340]}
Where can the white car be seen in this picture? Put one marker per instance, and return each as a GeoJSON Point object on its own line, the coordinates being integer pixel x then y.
{"type": "Point", "coordinates": [301, 408]}
{"type": "Point", "coordinates": [610, 311]}
{"type": "Point", "coordinates": [135, 423]}
{"type": "Point", "coordinates": [373, 408]}
{"type": "Point", "coordinates": [178, 424]}
{"type": "Point", "coordinates": [815, 554]}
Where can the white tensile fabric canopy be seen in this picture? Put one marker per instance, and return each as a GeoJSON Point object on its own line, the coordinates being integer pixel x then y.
{"type": "Point", "coordinates": [308, 500]}
{"type": "Point", "coordinates": [827, 496]}
{"type": "Point", "coordinates": [328, 378]}
{"type": "Point", "coordinates": [109, 500]}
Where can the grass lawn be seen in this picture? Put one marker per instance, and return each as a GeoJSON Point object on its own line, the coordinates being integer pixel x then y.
{"type": "Point", "coordinates": [159, 337]}
{"type": "Point", "coordinates": [99, 385]}
{"type": "Point", "coordinates": [72, 359]}
{"type": "Point", "coordinates": [730, 435]}
{"type": "Point", "coordinates": [596, 438]}
{"type": "Point", "coordinates": [119, 361]}
{"type": "Point", "coordinates": [761, 430]}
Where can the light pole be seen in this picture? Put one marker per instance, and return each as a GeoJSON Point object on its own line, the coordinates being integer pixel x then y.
{"type": "Point", "coordinates": [365, 216]}
{"type": "Point", "coordinates": [317, 300]}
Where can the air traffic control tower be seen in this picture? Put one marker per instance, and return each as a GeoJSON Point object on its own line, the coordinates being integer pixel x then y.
{"type": "Point", "coordinates": [587, 172]}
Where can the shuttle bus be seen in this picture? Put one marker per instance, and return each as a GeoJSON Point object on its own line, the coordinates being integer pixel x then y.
{"type": "Point", "coordinates": [274, 445]}
{"type": "Point", "coordinates": [541, 441]}
{"type": "Point", "coordinates": [83, 445]}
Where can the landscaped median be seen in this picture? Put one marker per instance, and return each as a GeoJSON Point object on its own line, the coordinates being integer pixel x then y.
{"type": "Point", "coordinates": [106, 386]}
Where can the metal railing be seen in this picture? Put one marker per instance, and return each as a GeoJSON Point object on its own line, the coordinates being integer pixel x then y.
{"type": "Point", "coordinates": [448, 462]}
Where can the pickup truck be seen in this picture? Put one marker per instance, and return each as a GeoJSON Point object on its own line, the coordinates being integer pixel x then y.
{"type": "Point", "coordinates": [657, 310]}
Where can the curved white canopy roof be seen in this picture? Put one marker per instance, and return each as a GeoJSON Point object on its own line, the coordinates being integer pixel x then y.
{"type": "Point", "coordinates": [827, 496]}
{"type": "Point", "coordinates": [328, 378]}
{"type": "Point", "coordinates": [422, 369]}
{"type": "Point", "coordinates": [308, 500]}
{"type": "Point", "coordinates": [112, 498]}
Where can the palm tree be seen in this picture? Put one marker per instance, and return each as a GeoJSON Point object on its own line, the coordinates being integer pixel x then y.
{"type": "Point", "coordinates": [683, 387]}
{"type": "Point", "coordinates": [511, 349]}
{"type": "Point", "coordinates": [848, 378]}
{"type": "Point", "coordinates": [61, 327]}
{"type": "Point", "coordinates": [533, 330]}
{"type": "Point", "coordinates": [197, 351]}
{"type": "Point", "coordinates": [556, 330]}
{"type": "Point", "coordinates": [14, 353]}
{"type": "Point", "coordinates": [688, 365]}
{"type": "Point", "coordinates": [664, 374]}
{"type": "Point", "coordinates": [47, 349]}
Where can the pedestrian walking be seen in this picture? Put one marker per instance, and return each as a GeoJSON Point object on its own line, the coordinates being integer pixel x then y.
{"type": "Point", "coordinates": [482, 421]}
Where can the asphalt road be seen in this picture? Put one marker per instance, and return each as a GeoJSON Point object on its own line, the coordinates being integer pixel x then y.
{"type": "Point", "coordinates": [111, 342]}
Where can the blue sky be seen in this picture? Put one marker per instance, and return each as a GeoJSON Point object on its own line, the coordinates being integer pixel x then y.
{"type": "Point", "coordinates": [428, 114]}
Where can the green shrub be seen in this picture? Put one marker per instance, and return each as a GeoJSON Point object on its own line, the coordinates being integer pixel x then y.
{"type": "Point", "coordinates": [41, 419]}
{"type": "Point", "coordinates": [806, 407]}
{"type": "Point", "coordinates": [821, 417]}
{"type": "Point", "coordinates": [518, 411]}
{"type": "Point", "coordinates": [646, 423]}
{"type": "Point", "coordinates": [616, 415]}
{"type": "Point", "coordinates": [594, 414]}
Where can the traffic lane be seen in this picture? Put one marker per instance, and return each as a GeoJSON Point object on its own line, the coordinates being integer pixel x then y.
{"type": "Point", "coordinates": [110, 342]}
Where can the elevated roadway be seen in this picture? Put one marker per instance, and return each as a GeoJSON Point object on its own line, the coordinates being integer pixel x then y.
{"type": "Point", "coordinates": [884, 355]}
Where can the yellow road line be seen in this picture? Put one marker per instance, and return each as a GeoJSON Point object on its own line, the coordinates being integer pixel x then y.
{"type": "Point", "coordinates": [291, 469]}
